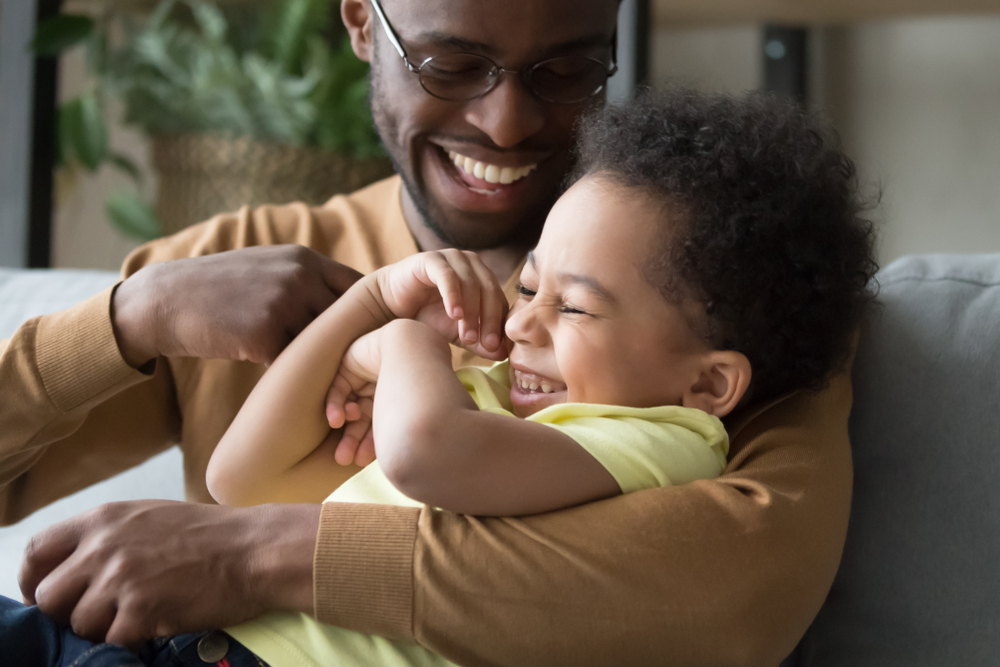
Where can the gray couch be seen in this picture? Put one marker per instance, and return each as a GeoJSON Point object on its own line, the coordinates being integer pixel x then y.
{"type": "Point", "coordinates": [920, 580]}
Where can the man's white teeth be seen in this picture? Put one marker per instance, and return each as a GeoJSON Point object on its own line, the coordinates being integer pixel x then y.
{"type": "Point", "coordinates": [490, 173]}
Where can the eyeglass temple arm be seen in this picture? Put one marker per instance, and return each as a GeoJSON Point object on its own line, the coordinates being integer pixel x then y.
{"type": "Point", "coordinates": [389, 32]}
{"type": "Point", "coordinates": [614, 51]}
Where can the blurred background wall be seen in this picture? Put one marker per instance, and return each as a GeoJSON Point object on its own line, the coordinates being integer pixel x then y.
{"type": "Point", "coordinates": [917, 105]}
{"type": "Point", "coordinates": [916, 102]}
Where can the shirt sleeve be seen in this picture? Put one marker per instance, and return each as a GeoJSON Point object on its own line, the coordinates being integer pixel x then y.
{"type": "Point", "coordinates": [73, 411]}
{"type": "Point", "coordinates": [645, 448]}
{"type": "Point", "coordinates": [719, 572]}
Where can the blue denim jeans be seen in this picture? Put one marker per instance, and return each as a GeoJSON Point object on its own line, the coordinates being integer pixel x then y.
{"type": "Point", "coordinates": [29, 638]}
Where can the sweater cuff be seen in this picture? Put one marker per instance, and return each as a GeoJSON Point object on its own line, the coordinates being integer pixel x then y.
{"type": "Point", "coordinates": [77, 354]}
{"type": "Point", "coordinates": [363, 568]}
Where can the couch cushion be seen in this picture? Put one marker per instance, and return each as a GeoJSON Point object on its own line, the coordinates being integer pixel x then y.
{"type": "Point", "coordinates": [919, 583]}
{"type": "Point", "coordinates": [27, 293]}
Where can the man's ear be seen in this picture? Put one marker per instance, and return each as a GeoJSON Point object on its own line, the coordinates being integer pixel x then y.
{"type": "Point", "coordinates": [358, 17]}
{"type": "Point", "coordinates": [724, 378]}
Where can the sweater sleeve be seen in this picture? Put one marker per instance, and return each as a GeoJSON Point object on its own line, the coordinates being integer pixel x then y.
{"type": "Point", "coordinates": [728, 571]}
{"type": "Point", "coordinates": [73, 412]}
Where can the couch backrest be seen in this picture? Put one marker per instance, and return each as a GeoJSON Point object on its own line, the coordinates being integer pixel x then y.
{"type": "Point", "coordinates": [919, 583]}
{"type": "Point", "coordinates": [27, 293]}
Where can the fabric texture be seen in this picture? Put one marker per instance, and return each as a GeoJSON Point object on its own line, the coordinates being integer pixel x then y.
{"type": "Point", "coordinates": [29, 638]}
{"type": "Point", "coordinates": [919, 584]}
{"type": "Point", "coordinates": [717, 572]}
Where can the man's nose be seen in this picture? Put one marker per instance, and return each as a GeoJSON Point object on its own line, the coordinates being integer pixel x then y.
{"type": "Point", "coordinates": [509, 113]}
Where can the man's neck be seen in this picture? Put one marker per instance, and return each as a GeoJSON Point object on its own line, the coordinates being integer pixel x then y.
{"type": "Point", "coordinates": [501, 260]}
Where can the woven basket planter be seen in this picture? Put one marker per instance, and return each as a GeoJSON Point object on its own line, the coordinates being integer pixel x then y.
{"type": "Point", "coordinates": [201, 175]}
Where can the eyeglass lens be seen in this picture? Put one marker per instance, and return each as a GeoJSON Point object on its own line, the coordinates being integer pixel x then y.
{"type": "Point", "coordinates": [464, 76]}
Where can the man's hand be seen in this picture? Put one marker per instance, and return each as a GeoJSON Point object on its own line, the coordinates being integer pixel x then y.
{"type": "Point", "coordinates": [127, 572]}
{"type": "Point", "coordinates": [243, 304]}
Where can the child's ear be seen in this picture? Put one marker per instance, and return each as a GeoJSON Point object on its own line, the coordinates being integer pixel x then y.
{"type": "Point", "coordinates": [358, 18]}
{"type": "Point", "coordinates": [723, 380]}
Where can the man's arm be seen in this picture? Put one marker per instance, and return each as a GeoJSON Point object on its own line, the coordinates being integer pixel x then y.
{"type": "Point", "coordinates": [722, 572]}
{"type": "Point", "coordinates": [74, 409]}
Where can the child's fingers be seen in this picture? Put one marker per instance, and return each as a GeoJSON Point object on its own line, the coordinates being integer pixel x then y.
{"type": "Point", "coordinates": [352, 412]}
{"type": "Point", "coordinates": [336, 399]}
{"type": "Point", "coordinates": [493, 309]}
{"type": "Point", "coordinates": [471, 288]}
{"type": "Point", "coordinates": [365, 453]}
{"type": "Point", "coordinates": [366, 450]}
{"type": "Point", "coordinates": [461, 291]}
{"type": "Point", "coordinates": [442, 275]}
{"type": "Point", "coordinates": [346, 448]}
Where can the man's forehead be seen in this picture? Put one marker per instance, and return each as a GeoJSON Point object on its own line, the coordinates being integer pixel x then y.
{"type": "Point", "coordinates": [504, 27]}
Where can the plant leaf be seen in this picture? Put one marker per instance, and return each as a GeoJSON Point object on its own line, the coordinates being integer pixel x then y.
{"type": "Point", "coordinates": [128, 167]}
{"type": "Point", "coordinates": [82, 133]}
{"type": "Point", "coordinates": [60, 32]}
{"type": "Point", "coordinates": [132, 216]}
{"type": "Point", "coordinates": [299, 20]}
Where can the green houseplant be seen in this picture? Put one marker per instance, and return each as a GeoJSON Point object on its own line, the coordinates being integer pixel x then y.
{"type": "Point", "coordinates": [250, 81]}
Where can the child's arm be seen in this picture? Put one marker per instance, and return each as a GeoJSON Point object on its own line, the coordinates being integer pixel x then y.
{"type": "Point", "coordinates": [280, 447]}
{"type": "Point", "coordinates": [437, 447]}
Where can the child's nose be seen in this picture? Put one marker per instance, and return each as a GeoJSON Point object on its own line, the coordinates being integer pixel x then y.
{"type": "Point", "coordinates": [522, 325]}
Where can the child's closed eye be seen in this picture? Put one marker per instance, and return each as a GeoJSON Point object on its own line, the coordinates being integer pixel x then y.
{"type": "Point", "coordinates": [568, 309]}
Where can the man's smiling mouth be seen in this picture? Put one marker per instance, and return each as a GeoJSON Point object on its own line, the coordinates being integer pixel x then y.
{"type": "Point", "coordinates": [490, 174]}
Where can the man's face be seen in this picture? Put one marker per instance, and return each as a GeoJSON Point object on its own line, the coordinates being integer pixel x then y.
{"type": "Point", "coordinates": [482, 173]}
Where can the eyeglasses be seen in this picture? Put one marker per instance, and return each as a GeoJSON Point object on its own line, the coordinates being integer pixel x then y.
{"type": "Point", "coordinates": [465, 76]}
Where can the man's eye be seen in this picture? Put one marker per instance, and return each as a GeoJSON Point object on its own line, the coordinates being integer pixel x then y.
{"type": "Point", "coordinates": [524, 291]}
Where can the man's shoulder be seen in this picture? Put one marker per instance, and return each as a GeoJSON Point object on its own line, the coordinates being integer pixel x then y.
{"type": "Point", "coordinates": [334, 229]}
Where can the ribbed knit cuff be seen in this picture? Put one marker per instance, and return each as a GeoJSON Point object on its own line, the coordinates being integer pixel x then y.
{"type": "Point", "coordinates": [363, 568]}
{"type": "Point", "coordinates": [78, 356]}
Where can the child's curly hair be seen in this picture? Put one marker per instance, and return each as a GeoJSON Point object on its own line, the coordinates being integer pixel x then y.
{"type": "Point", "coordinates": [774, 243]}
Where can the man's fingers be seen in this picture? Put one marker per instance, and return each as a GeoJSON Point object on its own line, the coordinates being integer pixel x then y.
{"type": "Point", "coordinates": [44, 552]}
{"type": "Point", "coordinates": [128, 630]}
{"type": "Point", "coordinates": [93, 615]}
{"type": "Point", "coordinates": [58, 594]}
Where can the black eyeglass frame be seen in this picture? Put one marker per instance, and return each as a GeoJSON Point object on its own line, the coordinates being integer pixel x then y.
{"type": "Point", "coordinates": [524, 74]}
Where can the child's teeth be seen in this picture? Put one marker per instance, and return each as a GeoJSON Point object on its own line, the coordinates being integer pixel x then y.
{"type": "Point", "coordinates": [533, 386]}
{"type": "Point", "coordinates": [546, 387]}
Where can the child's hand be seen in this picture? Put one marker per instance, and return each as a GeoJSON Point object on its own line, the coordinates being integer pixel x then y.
{"type": "Point", "coordinates": [453, 292]}
{"type": "Point", "coordinates": [349, 401]}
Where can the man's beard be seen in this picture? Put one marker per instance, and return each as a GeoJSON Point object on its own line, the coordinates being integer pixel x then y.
{"type": "Point", "coordinates": [474, 239]}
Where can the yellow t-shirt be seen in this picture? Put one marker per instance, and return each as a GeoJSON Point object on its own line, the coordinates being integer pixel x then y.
{"type": "Point", "coordinates": [642, 448]}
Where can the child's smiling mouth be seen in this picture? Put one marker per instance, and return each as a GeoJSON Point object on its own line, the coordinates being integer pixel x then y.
{"type": "Point", "coordinates": [530, 392]}
{"type": "Point", "coordinates": [534, 383]}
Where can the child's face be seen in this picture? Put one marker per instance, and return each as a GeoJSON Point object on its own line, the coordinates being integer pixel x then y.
{"type": "Point", "coordinates": [588, 327]}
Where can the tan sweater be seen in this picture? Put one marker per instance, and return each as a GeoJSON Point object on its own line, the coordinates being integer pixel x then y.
{"type": "Point", "coordinates": [722, 572]}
